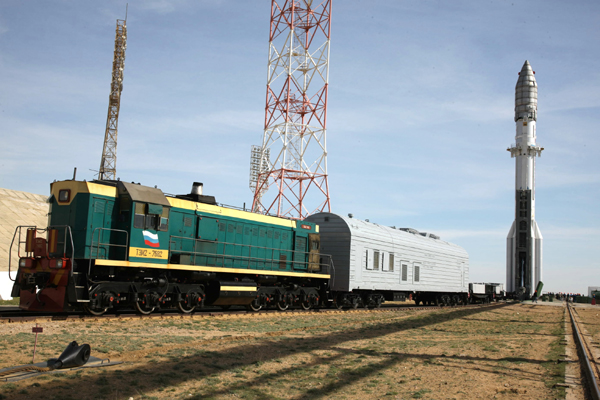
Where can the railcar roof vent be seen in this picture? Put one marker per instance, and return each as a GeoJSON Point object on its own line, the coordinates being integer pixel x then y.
{"type": "Point", "coordinates": [410, 230]}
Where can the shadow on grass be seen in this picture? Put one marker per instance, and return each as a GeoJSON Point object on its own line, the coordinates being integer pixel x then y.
{"type": "Point", "coordinates": [183, 369]}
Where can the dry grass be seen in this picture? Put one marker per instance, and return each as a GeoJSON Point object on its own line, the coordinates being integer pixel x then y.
{"type": "Point", "coordinates": [453, 353]}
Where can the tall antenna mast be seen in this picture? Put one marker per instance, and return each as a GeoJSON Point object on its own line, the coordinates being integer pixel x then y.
{"type": "Point", "coordinates": [108, 164]}
{"type": "Point", "coordinates": [296, 113]}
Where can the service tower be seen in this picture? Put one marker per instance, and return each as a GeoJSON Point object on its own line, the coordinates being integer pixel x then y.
{"type": "Point", "coordinates": [524, 241]}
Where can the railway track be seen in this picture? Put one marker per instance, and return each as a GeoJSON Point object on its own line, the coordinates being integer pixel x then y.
{"type": "Point", "coordinates": [589, 365]}
{"type": "Point", "coordinates": [17, 315]}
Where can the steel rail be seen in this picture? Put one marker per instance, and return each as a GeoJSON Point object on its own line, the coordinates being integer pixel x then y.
{"type": "Point", "coordinates": [587, 364]}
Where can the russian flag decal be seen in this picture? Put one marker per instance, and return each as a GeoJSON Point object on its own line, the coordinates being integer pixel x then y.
{"type": "Point", "coordinates": [151, 239]}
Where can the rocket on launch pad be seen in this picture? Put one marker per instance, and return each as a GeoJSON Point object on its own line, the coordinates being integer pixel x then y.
{"type": "Point", "coordinates": [524, 241]}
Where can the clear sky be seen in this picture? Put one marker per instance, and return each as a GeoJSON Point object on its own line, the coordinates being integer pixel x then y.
{"type": "Point", "coordinates": [420, 112]}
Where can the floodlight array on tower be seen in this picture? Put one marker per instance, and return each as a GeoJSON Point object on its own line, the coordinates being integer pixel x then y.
{"type": "Point", "coordinates": [292, 161]}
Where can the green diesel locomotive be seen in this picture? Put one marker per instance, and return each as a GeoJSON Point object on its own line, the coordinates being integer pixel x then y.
{"type": "Point", "coordinates": [112, 244]}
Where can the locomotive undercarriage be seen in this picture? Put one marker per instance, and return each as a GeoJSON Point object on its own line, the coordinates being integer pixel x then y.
{"type": "Point", "coordinates": [152, 290]}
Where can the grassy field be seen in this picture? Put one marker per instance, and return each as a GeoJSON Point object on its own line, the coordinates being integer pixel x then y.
{"type": "Point", "coordinates": [453, 353]}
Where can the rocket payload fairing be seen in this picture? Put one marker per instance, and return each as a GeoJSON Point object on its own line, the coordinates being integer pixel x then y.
{"type": "Point", "coordinates": [524, 241]}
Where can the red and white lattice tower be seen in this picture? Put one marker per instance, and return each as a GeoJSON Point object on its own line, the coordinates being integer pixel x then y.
{"type": "Point", "coordinates": [292, 162]}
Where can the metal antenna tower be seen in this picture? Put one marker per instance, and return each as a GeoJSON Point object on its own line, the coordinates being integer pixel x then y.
{"type": "Point", "coordinates": [108, 164]}
{"type": "Point", "coordinates": [296, 112]}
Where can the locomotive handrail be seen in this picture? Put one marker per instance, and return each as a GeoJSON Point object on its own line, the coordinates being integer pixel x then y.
{"type": "Point", "coordinates": [272, 262]}
{"type": "Point", "coordinates": [67, 227]}
{"type": "Point", "coordinates": [109, 244]}
{"type": "Point", "coordinates": [19, 228]}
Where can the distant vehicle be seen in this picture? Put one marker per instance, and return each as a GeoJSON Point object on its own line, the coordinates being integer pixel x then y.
{"type": "Point", "coordinates": [486, 292]}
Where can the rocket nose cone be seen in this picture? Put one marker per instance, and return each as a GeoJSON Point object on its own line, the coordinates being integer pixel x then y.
{"type": "Point", "coordinates": [526, 93]}
{"type": "Point", "coordinates": [526, 76]}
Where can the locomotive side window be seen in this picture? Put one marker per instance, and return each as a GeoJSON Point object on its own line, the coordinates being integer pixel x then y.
{"type": "Point", "coordinates": [151, 216]}
{"type": "Point", "coordinates": [151, 221]}
{"type": "Point", "coordinates": [139, 217]}
{"type": "Point", "coordinates": [164, 220]}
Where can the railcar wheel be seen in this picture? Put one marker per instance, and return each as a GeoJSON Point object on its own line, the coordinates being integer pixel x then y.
{"type": "Point", "coordinates": [142, 308]}
{"type": "Point", "coordinates": [95, 312]}
{"type": "Point", "coordinates": [184, 307]}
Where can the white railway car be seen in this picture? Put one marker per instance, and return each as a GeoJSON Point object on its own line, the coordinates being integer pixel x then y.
{"type": "Point", "coordinates": [374, 263]}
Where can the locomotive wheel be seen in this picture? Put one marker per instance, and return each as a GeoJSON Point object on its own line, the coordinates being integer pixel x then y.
{"type": "Point", "coordinates": [184, 307]}
{"type": "Point", "coordinates": [142, 309]}
{"type": "Point", "coordinates": [254, 306]}
{"type": "Point", "coordinates": [93, 311]}
{"type": "Point", "coordinates": [306, 305]}
{"type": "Point", "coordinates": [282, 305]}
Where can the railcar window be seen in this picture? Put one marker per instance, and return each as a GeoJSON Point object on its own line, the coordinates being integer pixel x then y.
{"type": "Point", "coordinates": [404, 272]}
{"type": "Point", "coordinates": [367, 265]}
{"type": "Point", "coordinates": [376, 260]}
{"type": "Point", "coordinates": [417, 273]}
{"type": "Point", "coordinates": [391, 266]}
{"type": "Point", "coordinates": [383, 267]}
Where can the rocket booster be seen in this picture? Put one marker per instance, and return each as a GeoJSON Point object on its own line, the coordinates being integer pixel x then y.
{"type": "Point", "coordinates": [524, 241]}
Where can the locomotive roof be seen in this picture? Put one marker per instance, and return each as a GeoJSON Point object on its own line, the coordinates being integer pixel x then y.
{"type": "Point", "coordinates": [143, 193]}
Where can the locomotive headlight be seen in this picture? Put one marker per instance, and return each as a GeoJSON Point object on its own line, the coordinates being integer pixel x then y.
{"type": "Point", "coordinates": [22, 263]}
{"type": "Point", "coordinates": [59, 263]}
